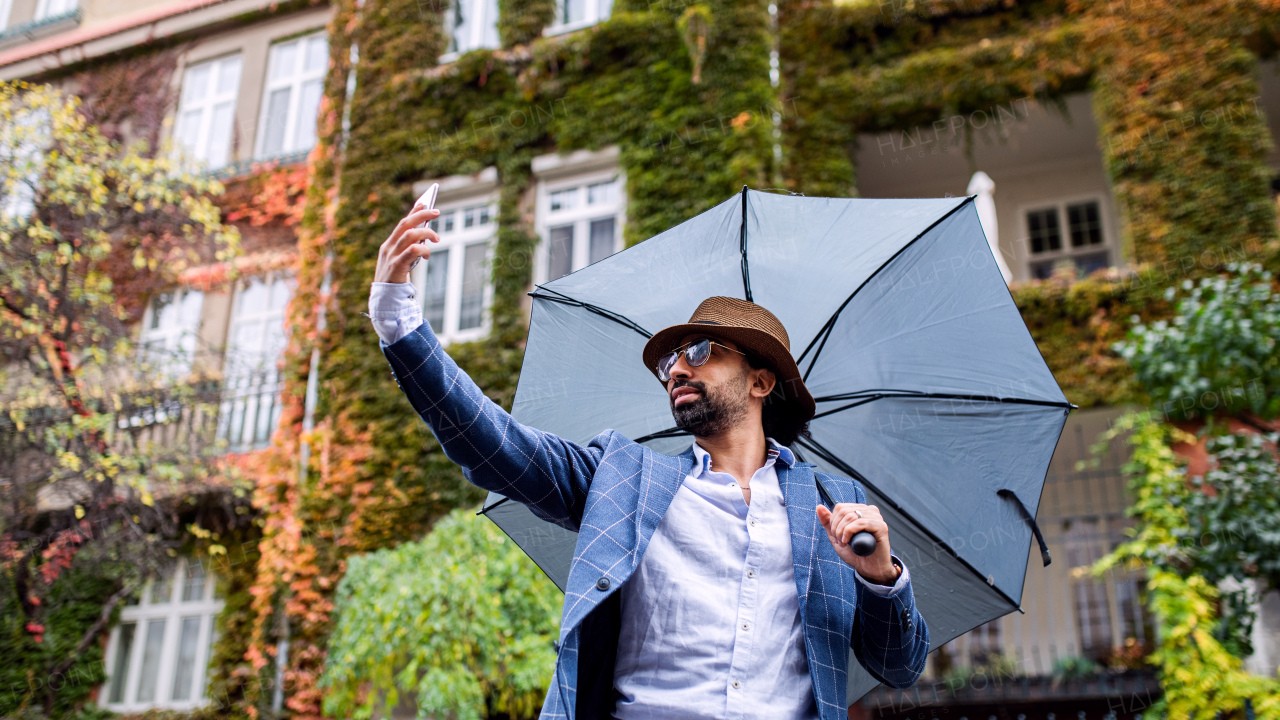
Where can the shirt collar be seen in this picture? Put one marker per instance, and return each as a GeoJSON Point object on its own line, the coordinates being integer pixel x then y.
{"type": "Point", "coordinates": [781, 454]}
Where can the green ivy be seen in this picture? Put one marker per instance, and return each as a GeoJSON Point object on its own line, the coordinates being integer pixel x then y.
{"type": "Point", "coordinates": [1218, 354]}
{"type": "Point", "coordinates": [462, 621]}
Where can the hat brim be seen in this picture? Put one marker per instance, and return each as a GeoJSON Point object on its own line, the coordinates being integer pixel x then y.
{"type": "Point", "coordinates": [790, 387]}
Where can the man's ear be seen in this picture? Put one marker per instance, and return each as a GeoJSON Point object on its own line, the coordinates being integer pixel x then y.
{"type": "Point", "coordinates": [762, 382]}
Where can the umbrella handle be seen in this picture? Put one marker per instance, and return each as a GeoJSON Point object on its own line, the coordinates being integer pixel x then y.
{"type": "Point", "coordinates": [864, 543]}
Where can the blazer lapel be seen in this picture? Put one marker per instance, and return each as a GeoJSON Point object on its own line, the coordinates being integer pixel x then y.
{"type": "Point", "coordinates": [661, 477]}
{"type": "Point", "coordinates": [801, 494]}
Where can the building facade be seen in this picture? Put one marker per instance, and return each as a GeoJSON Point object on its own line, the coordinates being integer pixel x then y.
{"type": "Point", "coordinates": [562, 132]}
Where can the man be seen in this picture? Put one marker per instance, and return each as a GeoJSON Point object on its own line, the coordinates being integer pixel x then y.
{"type": "Point", "coordinates": [700, 585]}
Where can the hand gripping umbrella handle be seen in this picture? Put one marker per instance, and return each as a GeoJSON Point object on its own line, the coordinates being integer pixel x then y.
{"type": "Point", "coordinates": [864, 543]}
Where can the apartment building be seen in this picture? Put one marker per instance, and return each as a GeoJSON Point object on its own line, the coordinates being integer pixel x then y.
{"type": "Point", "coordinates": [245, 81]}
{"type": "Point", "coordinates": [246, 84]}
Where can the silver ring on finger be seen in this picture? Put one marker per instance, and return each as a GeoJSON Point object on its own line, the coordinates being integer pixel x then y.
{"type": "Point", "coordinates": [858, 513]}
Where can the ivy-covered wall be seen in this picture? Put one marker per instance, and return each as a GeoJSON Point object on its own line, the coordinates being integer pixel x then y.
{"type": "Point", "coordinates": [684, 91]}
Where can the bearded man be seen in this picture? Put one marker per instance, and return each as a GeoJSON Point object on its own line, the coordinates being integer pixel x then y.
{"type": "Point", "coordinates": [703, 585]}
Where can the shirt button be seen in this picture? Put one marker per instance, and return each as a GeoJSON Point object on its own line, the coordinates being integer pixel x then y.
{"type": "Point", "coordinates": [751, 573]}
{"type": "Point", "coordinates": [602, 584]}
{"type": "Point", "coordinates": [736, 684]}
{"type": "Point", "coordinates": [745, 626]}
{"type": "Point", "coordinates": [753, 523]}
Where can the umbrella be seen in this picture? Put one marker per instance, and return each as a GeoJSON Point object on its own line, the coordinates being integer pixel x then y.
{"type": "Point", "coordinates": [930, 390]}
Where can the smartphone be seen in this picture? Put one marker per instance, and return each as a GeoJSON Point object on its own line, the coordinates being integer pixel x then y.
{"type": "Point", "coordinates": [428, 202]}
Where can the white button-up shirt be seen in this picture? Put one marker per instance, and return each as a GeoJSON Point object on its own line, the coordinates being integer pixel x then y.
{"type": "Point", "coordinates": [711, 618]}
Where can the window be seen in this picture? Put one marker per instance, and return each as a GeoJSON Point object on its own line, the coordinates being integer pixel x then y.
{"type": "Point", "coordinates": [169, 332]}
{"type": "Point", "coordinates": [470, 24]}
{"type": "Point", "coordinates": [158, 652]}
{"type": "Point", "coordinates": [295, 81]}
{"type": "Point", "coordinates": [454, 281]}
{"type": "Point", "coordinates": [207, 108]}
{"type": "Point", "coordinates": [1079, 242]}
{"type": "Point", "coordinates": [54, 8]}
{"type": "Point", "coordinates": [251, 374]}
{"type": "Point", "coordinates": [580, 222]}
{"type": "Point", "coordinates": [5, 7]}
{"type": "Point", "coordinates": [574, 14]}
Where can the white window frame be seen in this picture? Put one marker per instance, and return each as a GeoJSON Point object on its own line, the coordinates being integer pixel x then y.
{"type": "Point", "coordinates": [45, 8]}
{"type": "Point", "coordinates": [595, 11]}
{"type": "Point", "coordinates": [580, 170]}
{"type": "Point", "coordinates": [482, 30]}
{"type": "Point", "coordinates": [6, 7]}
{"type": "Point", "coordinates": [206, 107]}
{"type": "Point", "coordinates": [456, 242]}
{"type": "Point", "coordinates": [207, 608]}
{"type": "Point", "coordinates": [1067, 252]}
{"type": "Point", "coordinates": [179, 339]}
{"type": "Point", "coordinates": [244, 390]}
{"type": "Point", "coordinates": [296, 81]}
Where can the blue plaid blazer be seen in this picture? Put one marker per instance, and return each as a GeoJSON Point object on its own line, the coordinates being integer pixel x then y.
{"type": "Point", "coordinates": [613, 492]}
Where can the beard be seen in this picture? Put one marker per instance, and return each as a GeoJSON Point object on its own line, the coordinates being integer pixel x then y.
{"type": "Point", "coordinates": [712, 413]}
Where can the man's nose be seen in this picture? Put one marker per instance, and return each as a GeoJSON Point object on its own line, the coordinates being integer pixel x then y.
{"type": "Point", "coordinates": [681, 369]}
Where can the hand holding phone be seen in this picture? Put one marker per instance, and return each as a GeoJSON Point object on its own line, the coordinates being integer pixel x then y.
{"type": "Point", "coordinates": [426, 202]}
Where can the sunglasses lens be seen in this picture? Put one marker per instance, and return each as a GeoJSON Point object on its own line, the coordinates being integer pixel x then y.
{"type": "Point", "coordinates": [698, 353]}
{"type": "Point", "coordinates": [664, 366]}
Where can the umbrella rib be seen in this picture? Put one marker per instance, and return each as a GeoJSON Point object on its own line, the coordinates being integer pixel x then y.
{"type": "Point", "coordinates": [825, 331]}
{"type": "Point", "coordinates": [844, 467]}
{"type": "Point", "coordinates": [866, 397]}
{"type": "Point", "coordinates": [563, 299]}
{"type": "Point", "coordinates": [746, 275]}
{"type": "Point", "coordinates": [669, 432]}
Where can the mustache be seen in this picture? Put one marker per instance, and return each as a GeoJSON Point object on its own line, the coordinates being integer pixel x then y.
{"type": "Point", "coordinates": [695, 384]}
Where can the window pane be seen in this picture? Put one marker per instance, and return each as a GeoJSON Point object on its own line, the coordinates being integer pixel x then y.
{"type": "Point", "coordinates": [572, 11]}
{"type": "Point", "coordinates": [162, 588]}
{"type": "Point", "coordinates": [602, 239]}
{"type": "Point", "coordinates": [229, 75]}
{"type": "Point", "coordinates": [599, 193]}
{"type": "Point", "coordinates": [274, 124]}
{"type": "Point", "coordinates": [304, 136]}
{"type": "Point", "coordinates": [491, 39]}
{"type": "Point", "coordinates": [564, 199]}
{"type": "Point", "coordinates": [433, 298]}
{"type": "Point", "coordinates": [193, 583]}
{"type": "Point", "coordinates": [185, 671]}
{"type": "Point", "coordinates": [151, 661]}
{"type": "Point", "coordinates": [120, 667]}
{"type": "Point", "coordinates": [1086, 264]}
{"type": "Point", "coordinates": [447, 218]}
{"type": "Point", "coordinates": [472, 307]}
{"type": "Point", "coordinates": [219, 146]}
{"type": "Point", "coordinates": [284, 61]}
{"type": "Point", "coordinates": [1084, 224]}
{"type": "Point", "coordinates": [253, 297]}
{"type": "Point", "coordinates": [459, 26]}
{"type": "Point", "coordinates": [195, 85]}
{"type": "Point", "coordinates": [560, 252]}
{"type": "Point", "coordinates": [1042, 230]}
{"type": "Point", "coordinates": [606, 9]}
{"type": "Point", "coordinates": [317, 54]}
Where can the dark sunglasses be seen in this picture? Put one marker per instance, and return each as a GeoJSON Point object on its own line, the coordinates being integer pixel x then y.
{"type": "Point", "coordinates": [695, 353]}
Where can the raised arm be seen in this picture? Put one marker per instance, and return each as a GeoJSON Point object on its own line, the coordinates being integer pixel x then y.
{"type": "Point", "coordinates": [547, 473]}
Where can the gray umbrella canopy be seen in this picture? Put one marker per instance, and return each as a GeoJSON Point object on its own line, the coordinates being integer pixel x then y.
{"type": "Point", "coordinates": [930, 390]}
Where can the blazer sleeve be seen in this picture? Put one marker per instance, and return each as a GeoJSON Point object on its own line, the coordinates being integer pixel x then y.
{"type": "Point", "coordinates": [547, 473]}
{"type": "Point", "coordinates": [890, 638]}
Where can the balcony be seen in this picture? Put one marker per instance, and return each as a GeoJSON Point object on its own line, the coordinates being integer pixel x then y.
{"type": "Point", "coordinates": [41, 28]}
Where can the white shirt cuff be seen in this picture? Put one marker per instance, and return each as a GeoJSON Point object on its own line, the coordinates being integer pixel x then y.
{"type": "Point", "coordinates": [394, 309]}
{"type": "Point", "coordinates": [904, 577]}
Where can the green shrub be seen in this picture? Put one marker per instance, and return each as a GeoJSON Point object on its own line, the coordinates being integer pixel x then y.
{"type": "Point", "coordinates": [1218, 355]}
